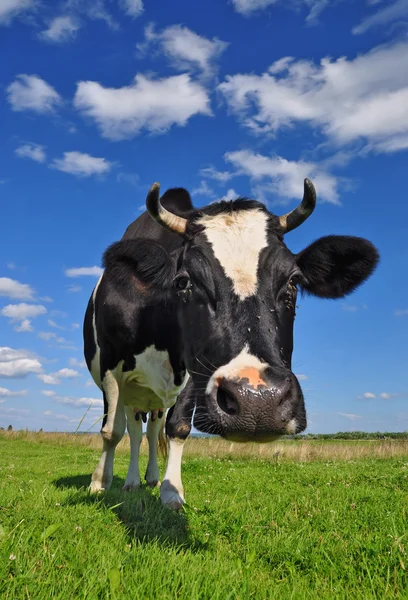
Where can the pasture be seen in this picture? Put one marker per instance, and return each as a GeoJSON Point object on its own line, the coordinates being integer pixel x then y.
{"type": "Point", "coordinates": [291, 519]}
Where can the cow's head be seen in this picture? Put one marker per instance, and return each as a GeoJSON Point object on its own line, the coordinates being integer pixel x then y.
{"type": "Point", "coordinates": [236, 284]}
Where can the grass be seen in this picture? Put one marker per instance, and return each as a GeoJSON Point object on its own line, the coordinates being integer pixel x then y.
{"type": "Point", "coordinates": [286, 520]}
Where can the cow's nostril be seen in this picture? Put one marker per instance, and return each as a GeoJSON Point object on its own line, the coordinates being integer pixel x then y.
{"type": "Point", "coordinates": [226, 402]}
{"type": "Point", "coordinates": [283, 390]}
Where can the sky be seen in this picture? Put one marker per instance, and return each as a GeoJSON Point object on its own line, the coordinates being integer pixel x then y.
{"type": "Point", "coordinates": [99, 99]}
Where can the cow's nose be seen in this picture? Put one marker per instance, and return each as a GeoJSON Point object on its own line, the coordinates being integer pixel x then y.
{"type": "Point", "coordinates": [232, 394]}
{"type": "Point", "coordinates": [277, 384]}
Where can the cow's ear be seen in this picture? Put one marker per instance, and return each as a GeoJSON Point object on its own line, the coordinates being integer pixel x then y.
{"type": "Point", "coordinates": [335, 265]}
{"type": "Point", "coordinates": [145, 260]}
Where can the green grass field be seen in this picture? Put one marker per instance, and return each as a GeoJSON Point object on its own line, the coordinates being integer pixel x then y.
{"type": "Point", "coordinates": [290, 520]}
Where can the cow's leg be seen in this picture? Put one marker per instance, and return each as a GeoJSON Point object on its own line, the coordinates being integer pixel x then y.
{"type": "Point", "coordinates": [155, 424]}
{"type": "Point", "coordinates": [135, 430]}
{"type": "Point", "coordinates": [178, 427]}
{"type": "Point", "coordinates": [113, 428]}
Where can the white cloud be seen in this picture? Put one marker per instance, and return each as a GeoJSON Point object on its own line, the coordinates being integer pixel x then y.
{"type": "Point", "coordinates": [19, 312]}
{"type": "Point", "coordinates": [387, 396]}
{"type": "Point", "coordinates": [67, 373]}
{"type": "Point", "coordinates": [147, 104]}
{"type": "Point", "coordinates": [283, 177]}
{"type": "Point", "coordinates": [61, 29]}
{"type": "Point", "coordinates": [49, 393]}
{"type": "Point", "coordinates": [361, 99]}
{"type": "Point", "coordinates": [58, 313]}
{"type": "Point", "coordinates": [17, 363]}
{"type": "Point", "coordinates": [8, 354]}
{"type": "Point", "coordinates": [316, 7]}
{"type": "Point", "coordinates": [401, 312]}
{"type": "Point", "coordinates": [55, 378]}
{"type": "Point", "coordinates": [6, 393]}
{"type": "Point", "coordinates": [395, 11]}
{"type": "Point", "coordinates": [81, 164]}
{"type": "Point", "coordinates": [251, 7]}
{"type": "Point", "coordinates": [30, 92]}
{"type": "Point", "coordinates": [349, 308]}
{"type": "Point", "coordinates": [33, 151]}
{"type": "Point", "coordinates": [130, 178]}
{"type": "Point", "coordinates": [247, 7]}
{"type": "Point", "coordinates": [78, 402]}
{"type": "Point", "coordinates": [349, 416]}
{"type": "Point", "coordinates": [96, 10]}
{"type": "Point", "coordinates": [60, 417]}
{"type": "Point", "coordinates": [52, 323]}
{"type": "Point", "coordinates": [203, 190]}
{"type": "Point", "coordinates": [302, 377]}
{"type": "Point", "coordinates": [48, 379]}
{"type": "Point", "coordinates": [14, 412]}
{"type": "Point", "coordinates": [230, 195]}
{"type": "Point", "coordinates": [47, 336]}
{"type": "Point", "coordinates": [369, 395]}
{"type": "Point", "coordinates": [83, 271]}
{"type": "Point", "coordinates": [75, 325]}
{"type": "Point", "coordinates": [74, 289]}
{"type": "Point", "coordinates": [212, 173]}
{"type": "Point", "coordinates": [14, 289]}
{"type": "Point", "coordinates": [185, 48]}
{"type": "Point", "coordinates": [24, 327]}
{"type": "Point", "coordinates": [80, 364]}
{"type": "Point", "coordinates": [133, 8]}
{"type": "Point", "coordinates": [9, 9]}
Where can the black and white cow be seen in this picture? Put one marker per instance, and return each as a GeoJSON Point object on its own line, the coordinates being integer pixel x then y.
{"type": "Point", "coordinates": [195, 310]}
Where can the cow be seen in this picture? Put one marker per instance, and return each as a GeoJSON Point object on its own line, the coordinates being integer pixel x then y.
{"type": "Point", "coordinates": [192, 322]}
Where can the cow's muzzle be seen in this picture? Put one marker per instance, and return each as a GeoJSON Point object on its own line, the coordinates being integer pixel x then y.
{"type": "Point", "coordinates": [252, 409]}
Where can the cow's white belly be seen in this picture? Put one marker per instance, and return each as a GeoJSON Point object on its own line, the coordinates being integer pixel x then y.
{"type": "Point", "coordinates": [151, 384]}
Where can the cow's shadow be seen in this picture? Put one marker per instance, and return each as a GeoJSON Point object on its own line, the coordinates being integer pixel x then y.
{"type": "Point", "coordinates": [140, 511]}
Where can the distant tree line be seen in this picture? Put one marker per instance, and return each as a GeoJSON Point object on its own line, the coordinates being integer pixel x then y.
{"type": "Point", "coordinates": [354, 435]}
{"type": "Point", "coordinates": [340, 435]}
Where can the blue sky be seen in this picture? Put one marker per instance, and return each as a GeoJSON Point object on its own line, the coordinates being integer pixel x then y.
{"type": "Point", "coordinates": [223, 97]}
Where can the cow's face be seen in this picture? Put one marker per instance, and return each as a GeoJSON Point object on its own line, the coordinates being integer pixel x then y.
{"type": "Point", "coordinates": [235, 284]}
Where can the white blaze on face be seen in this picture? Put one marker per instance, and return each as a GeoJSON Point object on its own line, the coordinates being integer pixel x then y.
{"type": "Point", "coordinates": [243, 365]}
{"type": "Point", "coordinates": [237, 239]}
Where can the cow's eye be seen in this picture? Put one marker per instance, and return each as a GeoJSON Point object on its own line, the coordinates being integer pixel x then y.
{"type": "Point", "coordinates": [182, 282]}
{"type": "Point", "coordinates": [295, 279]}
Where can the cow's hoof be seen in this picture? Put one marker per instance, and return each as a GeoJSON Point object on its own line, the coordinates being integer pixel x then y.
{"type": "Point", "coordinates": [96, 487]}
{"type": "Point", "coordinates": [175, 505]}
{"type": "Point", "coordinates": [170, 496]}
{"type": "Point", "coordinates": [130, 487]}
{"type": "Point", "coordinates": [153, 484]}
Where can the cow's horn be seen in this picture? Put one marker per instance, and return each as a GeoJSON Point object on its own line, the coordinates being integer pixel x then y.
{"type": "Point", "coordinates": [297, 216]}
{"type": "Point", "coordinates": [160, 214]}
